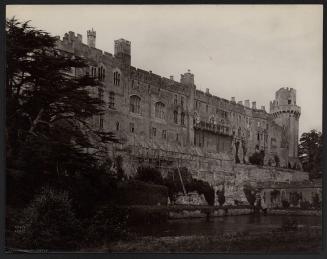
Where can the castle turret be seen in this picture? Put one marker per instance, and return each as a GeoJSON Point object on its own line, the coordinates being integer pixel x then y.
{"type": "Point", "coordinates": [123, 51]}
{"type": "Point", "coordinates": [91, 35]}
{"type": "Point", "coordinates": [187, 78]}
{"type": "Point", "coordinates": [286, 114]}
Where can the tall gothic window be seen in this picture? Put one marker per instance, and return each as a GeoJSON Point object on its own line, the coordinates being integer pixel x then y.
{"type": "Point", "coordinates": [135, 104]}
{"type": "Point", "coordinates": [112, 100]}
{"type": "Point", "coordinates": [176, 117]}
{"type": "Point", "coordinates": [101, 121]}
{"type": "Point", "coordinates": [159, 110]}
{"type": "Point", "coordinates": [116, 78]}
{"type": "Point", "coordinates": [100, 94]}
{"type": "Point", "coordinates": [183, 118]}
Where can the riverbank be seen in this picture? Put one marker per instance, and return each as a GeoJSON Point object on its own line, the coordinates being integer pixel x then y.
{"type": "Point", "coordinates": [201, 211]}
{"type": "Point", "coordinates": [244, 242]}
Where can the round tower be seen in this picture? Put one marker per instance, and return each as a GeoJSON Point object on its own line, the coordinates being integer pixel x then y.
{"type": "Point", "coordinates": [91, 35]}
{"type": "Point", "coordinates": [286, 114]}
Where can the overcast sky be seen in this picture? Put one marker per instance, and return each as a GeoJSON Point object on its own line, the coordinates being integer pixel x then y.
{"type": "Point", "coordinates": [244, 51]}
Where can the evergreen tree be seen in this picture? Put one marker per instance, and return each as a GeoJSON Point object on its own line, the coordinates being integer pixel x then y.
{"type": "Point", "coordinates": [310, 153]}
{"type": "Point", "coordinates": [48, 108]}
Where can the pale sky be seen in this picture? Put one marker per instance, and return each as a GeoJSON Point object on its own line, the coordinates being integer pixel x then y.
{"type": "Point", "coordinates": [244, 51]}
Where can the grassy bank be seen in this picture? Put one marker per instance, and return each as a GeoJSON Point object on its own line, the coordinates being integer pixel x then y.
{"type": "Point", "coordinates": [277, 241]}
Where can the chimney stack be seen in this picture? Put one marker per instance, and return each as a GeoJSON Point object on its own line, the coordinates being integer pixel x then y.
{"type": "Point", "coordinates": [207, 91]}
{"type": "Point", "coordinates": [233, 99]}
{"type": "Point", "coordinates": [263, 108]}
{"type": "Point", "coordinates": [240, 102]}
{"type": "Point", "coordinates": [254, 105]}
{"type": "Point", "coordinates": [247, 103]}
{"type": "Point", "coordinates": [171, 78]}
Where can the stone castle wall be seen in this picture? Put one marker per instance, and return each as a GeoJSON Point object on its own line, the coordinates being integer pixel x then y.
{"type": "Point", "coordinates": [192, 122]}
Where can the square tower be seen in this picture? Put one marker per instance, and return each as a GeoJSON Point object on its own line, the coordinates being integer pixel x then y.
{"type": "Point", "coordinates": [123, 51]}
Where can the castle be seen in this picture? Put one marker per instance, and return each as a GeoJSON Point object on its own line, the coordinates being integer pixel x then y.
{"type": "Point", "coordinates": [160, 117]}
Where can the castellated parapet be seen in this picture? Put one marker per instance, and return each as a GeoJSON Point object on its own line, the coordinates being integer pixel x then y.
{"type": "Point", "coordinates": [158, 115]}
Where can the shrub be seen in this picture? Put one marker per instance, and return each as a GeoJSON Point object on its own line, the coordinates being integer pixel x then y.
{"type": "Point", "coordinates": [140, 193]}
{"type": "Point", "coordinates": [277, 160]}
{"type": "Point", "coordinates": [257, 158]}
{"type": "Point", "coordinates": [285, 204]}
{"type": "Point", "coordinates": [316, 203]}
{"type": "Point", "coordinates": [204, 188]}
{"type": "Point", "coordinates": [274, 194]}
{"type": "Point", "coordinates": [294, 198]}
{"type": "Point", "coordinates": [221, 196]}
{"type": "Point", "coordinates": [149, 175]}
{"type": "Point", "coordinates": [50, 223]}
{"type": "Point", "coordinates": [108, 224]}
{"type": "Point", "coordinates": [249, 194]}
{"type": "Point", "coordinates": [305, 205]}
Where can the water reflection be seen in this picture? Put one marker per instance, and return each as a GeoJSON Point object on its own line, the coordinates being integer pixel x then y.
{"type": "Point", "coordinates": [243, 223]}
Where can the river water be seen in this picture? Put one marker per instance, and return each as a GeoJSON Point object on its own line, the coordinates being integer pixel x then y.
{"type": "Point", "coordinates": [218, 225]}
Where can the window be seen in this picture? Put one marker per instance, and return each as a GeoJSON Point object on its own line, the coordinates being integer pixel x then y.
{"type": "Point", "coordinates": [289, 101]}
{"type": "Point", "coordinates": [112, 100]}
{"type": "Point", "coordinates": [183, 118]}
{"type": "Point", "coordinates": [100, 94]}
{"type": "Point", "coordinates": [131, 127]}
{"type": "Point", "coordinates": [175, 117]}
{"type": "Point", "coordinates": [177, 137]}
{"type": "Point", "coordinates": [258, 137]}
{"type": "Point", "coordinates": [135, 104]}
{"type": "Point", "coordinates": [154, 132]}
{"type": "Point", "coordinates": [116, 78]}
{"type": "Point", "coordinates": [207, 108]}
{"type": "Point", "coordinates": [182, 101]}
{"type": "Point", "coordinates": [101, 73]}
{"type": "Point", "coordinates": [117, 125]}
{"type": "Point", "coordinates": [101, 121]}
{"type": "Point", "coordinates": [175, 99]}
{"type": "Point", "coordinates": [159, 110]}
{"type": "Point", "coordinates": [164, 134]}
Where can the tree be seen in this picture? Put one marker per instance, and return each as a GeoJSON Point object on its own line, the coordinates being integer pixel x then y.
{"type": "Point", "coordinates": [310, 153]}
{"type": "Point", "coordinates": [48, 108]}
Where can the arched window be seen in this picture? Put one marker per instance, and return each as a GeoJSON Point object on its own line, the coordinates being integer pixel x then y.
{"type": "Point", "coordinates": [176, 117]}
{"type": "Point", "coordinates": [135, 104]}
{"type": "Point", "coordinates": [183, 118]}
{"type": "Point", "coordinates": [159, 110]}
{"type": "Point", "coordinates": [117, 125]}
{"type": "Point", "coordinates": [116, 78]}
{"type": "Point", "coordinates": [111, 100]}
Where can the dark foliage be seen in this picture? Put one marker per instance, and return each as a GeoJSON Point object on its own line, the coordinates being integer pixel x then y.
{"type": "Point", "coordinates": [249, 194]}
{"type": "Point", "coordinates": [174, 184]}
{"type": "Point", "coordinates": [257, 158]}
{"type": "Point", "coordinates": [277, 160]}
{"type": "Point", "coordinates": [47, 128]}
{"type": "Point", "coordinates": [221, 196]}
{"type": "Point", "coordinates": [295, 198]}
{"type": "Point", "coordinates": [274, 194]}
{"type": "Point", "coordinates": [310, 153]}
{"type": "Point", "coordinates": [134, 192]}
{"type": "Point", "coordinates": [49, 223]}
{"type": "Point", "coordinates": [109, 223]}
{"type": "Point", "coordinates": [316, 202]}
{"type": "Point", "coordinates": [285, 204]}
{"type": "Point", "coordinates": [149, 175]}
{"type": "Point", "coordinates": [305, 205]}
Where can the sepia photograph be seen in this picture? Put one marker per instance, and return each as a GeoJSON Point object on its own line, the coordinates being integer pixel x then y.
{"type": "Point", "coordinates": [163, 128]}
